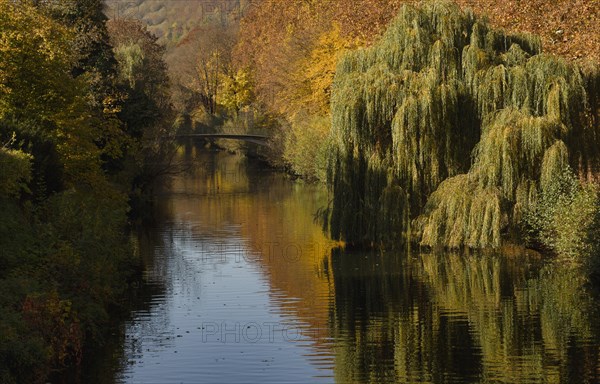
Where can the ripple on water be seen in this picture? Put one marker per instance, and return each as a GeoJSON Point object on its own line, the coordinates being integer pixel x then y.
{"type": "Point", "coordinates": [227, 300]}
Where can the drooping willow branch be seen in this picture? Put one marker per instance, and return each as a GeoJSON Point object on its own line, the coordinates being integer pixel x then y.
{"type": "Point", "coordinates": [453, 126]}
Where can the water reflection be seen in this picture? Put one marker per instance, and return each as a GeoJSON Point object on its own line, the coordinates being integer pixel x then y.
{"type": "Point", "coordinates": [248, 289]}
{"type": "Point", "coordinates": [444, 318]}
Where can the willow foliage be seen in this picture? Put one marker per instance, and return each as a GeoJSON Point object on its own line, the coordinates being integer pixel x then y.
{"type": "Point", "coordinates": [467, 125]}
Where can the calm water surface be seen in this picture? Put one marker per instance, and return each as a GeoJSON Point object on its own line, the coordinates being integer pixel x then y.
{"type": "Point", "coordinates": [242, 286]}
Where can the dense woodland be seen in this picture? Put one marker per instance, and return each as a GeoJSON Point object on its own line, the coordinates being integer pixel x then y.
{"type": "Point", "coordinates": [82, 103]}
{"type": "Point", "coordinates": [429, 124]}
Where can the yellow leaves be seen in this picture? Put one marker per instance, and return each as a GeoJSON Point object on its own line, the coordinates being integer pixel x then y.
{"type": "Point", "coordinates": [237, 90]}
{"type": "Point", "coordinates": [318, 69]}
{"type": "Point", "coordinates": [36, 57]}
{"type": "Point", "coordinates": [26, 28]}
{"type": "Point", "coordinates": [36, 85]}
{"type": "Point", "coordinates": [112, 104]}
{"type": "Point", "coordinates": [293, 46]}
{"type": "Point", "coordinates": [309, 83]}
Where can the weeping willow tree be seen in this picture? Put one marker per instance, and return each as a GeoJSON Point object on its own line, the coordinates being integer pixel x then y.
{"type": "Point", "coordinates": [451, 128]}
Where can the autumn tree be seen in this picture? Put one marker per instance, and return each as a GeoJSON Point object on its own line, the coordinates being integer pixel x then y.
{"type": "Point", "coordinates": [204, 57]}
{"type": "Point", "coordinates": [90, 43]}
{"type": "Point", "coordinates": [236, 90]}
{"type": "Point", "coordinates": [62, 220]}
{"type": "Point", "coordinates": [292, 48]}
{"type": "Point", "coordinates": [451, 133]}
{"type": "Point", "coordinates": [146, 109]}
{"type": "Point", "coordinates": [65, 254]}
{"type": "Point", "coordinates": [143, 81]}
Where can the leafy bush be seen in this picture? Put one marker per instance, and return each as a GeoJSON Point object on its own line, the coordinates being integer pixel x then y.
{"type": "Point", "coordinates": [566, 219]}
{"type": "Point", "coordinates": [63, 264]}
{"type": "Point", "coordinates": [15, 171]}
{"type": "Point", "coordinates": [306, 146]}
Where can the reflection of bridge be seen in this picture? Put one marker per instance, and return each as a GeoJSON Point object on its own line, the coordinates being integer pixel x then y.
{"type": "Point", "coordinates": [256, 139]}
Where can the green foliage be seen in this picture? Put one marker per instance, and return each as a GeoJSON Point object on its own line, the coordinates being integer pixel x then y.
{"type": "Point", "coordinates": [306, 147]}
{"type": "Point", "coordinates": [371, 207]}
{"type": "Point", "coordinates": [399, 101]}
{"type": "Point", "coordinates": [143, 78]}
{"type": "Point", "coordinates": [15, 172]}
{"type": "Point", "coordinates": [62, 266]}
{"type": "Point", "coordinates": [145, 108]}
{"type": "Point", "coordinates": [529, 135]}
{"type": "Point", "coordinates": [460, 212]}
{"type": "Point", "coordinates": [131, 60]}
{"type": "Point", "coordinates": [93, 60]}
{"type": "Point", "coordinates": [566, 218]}
{"type": "Point", "coordinates": [441, 95]}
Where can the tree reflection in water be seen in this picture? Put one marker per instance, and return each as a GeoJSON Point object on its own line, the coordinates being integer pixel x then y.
{"type": "Point", "coordinates": [446, 317]}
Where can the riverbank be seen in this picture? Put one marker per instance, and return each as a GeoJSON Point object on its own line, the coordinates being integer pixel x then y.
{"type": "Point", "coordinates": [80, 137]}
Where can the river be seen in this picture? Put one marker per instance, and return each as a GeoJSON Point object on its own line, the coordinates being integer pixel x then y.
{"type": "Point", "coordinates": [242, 286]}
